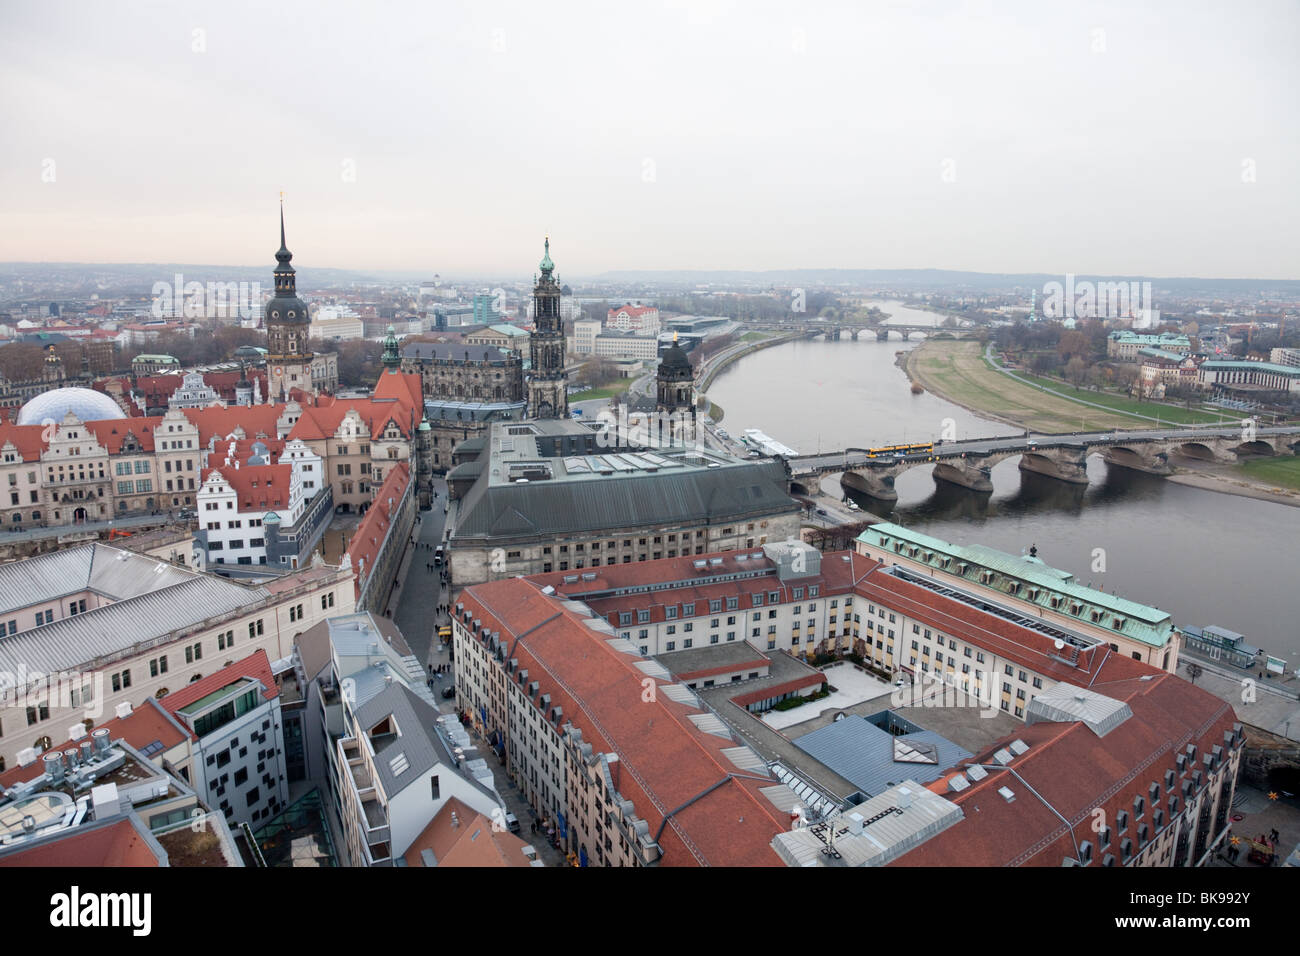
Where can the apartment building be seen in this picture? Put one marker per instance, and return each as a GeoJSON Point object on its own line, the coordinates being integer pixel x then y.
{"type": "Point", "coordinates": [393, 763]}
{"type": "Point", "coordinates": [1031, 587]}
{"type": "Point", "coordinates": [628, 763]}
{"type": "Point", "coordinates": [233, 720]}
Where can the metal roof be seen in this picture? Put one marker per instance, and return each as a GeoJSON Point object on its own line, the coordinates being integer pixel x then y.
{"type": "Point", "coordinates": [622, 500]}
{"type": "Point", "coordinates": [109, 631]}
{"type": "Point", "coordinates": [869, 758]}
{"type": "Point", "coordinates": [1066, 703]}
{"type": "Point", "coordinates": [109, 571]}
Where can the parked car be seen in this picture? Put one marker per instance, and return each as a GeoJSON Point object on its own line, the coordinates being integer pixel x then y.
{"type": "Point", "coordinates": [512, 823]}
{"type": "Point", "coordinates": [822, 512]}
{"type": "Point", "coordinates": [449, 692]}
{"type": "Point", "coordinates": [188, 514]}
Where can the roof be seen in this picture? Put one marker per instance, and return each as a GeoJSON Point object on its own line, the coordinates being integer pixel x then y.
{"type": "Point", "coordinates": [256, 666]}
{"type": "Point", "coordinates": [460, 836]}
{"type": "Point", "coordinates": [149, 729]}
{"type": "Point", "coordinates": [1072, 769]}
{"type": "Point", "coordinates": [217, 422]}
{"type": "Point", "coordinates": [572, 503]}
{"type": "Point", "coordinates": [178, 599]}
{"type": "Point", "coordinates": [258, 487]}
{"type": "Point", "coordinates": [874, 760]}
{"type": "Point", "coordinates": [1218, 365]}
{"type": "Point", "coordinates": [368, 540]}
{"type": "Point", "coordinates": [456, 352]}
{"type": "Point", "coordinates": [667, 760]}
{"type": "Point", "coordinates": [1150, 625]}
{"type": "Point", "coordinates": [111, 572]}
{"type": "Point", "coordinates": [120, 843]}
{"type": "Point", "coordinates": [418, 741]}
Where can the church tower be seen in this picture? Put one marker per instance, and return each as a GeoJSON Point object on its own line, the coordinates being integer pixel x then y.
{"type": "Point", "coordinates": [288, 359]}
{"type": "Point", "coordinates": [548, 383]}
{"type": "Point", "coordinates": [675, 399]}
{"type": "Point", "coordinates": [53, 368]}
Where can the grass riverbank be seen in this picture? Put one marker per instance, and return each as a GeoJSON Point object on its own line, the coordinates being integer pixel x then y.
{"type": "Point", "coordinates": [959, 372]}
{"type": "Point", "coordinates": [1284, 472]}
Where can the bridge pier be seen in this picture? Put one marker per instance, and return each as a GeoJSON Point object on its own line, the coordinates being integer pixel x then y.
{"type": "Point", "coordinates": [855, 334]}
{"type": "Point", "coordinates": [880, 487]}
{"type": "Point", "coordinates": [882, 335]}
{"type": "Point", "coordinates": [965, 473]}
{"type": "Point", "coordinates": [907, 333]}
{"type": "Point", "coordinates": [1156, 464]}
{"type": "Point", "coordinates": [1059, 463]}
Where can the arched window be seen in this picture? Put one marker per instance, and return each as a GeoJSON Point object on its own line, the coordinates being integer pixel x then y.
{"type": "Point", "coordinates": [162, 692]}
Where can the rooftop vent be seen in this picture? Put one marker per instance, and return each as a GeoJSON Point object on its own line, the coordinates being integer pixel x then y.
{"type": "Point", "coordinates": [76, 731]}
{"type": "Point", "coordinates": [548, 590]}
{"type": "Point", "coordinates": [715, 561]}
{"type": "Point", "coordinates": [1018, 746]}
{"type": "Point", "coordinates": [958, 783]}
{"type": "Point", "coordinates": [1007, 794]}
{"type": "Point", "coordinates": [1003, 757]}
{"type": "Point", "coordinates": [123, 709]}
{"type": "Point", "coordinates": [976, 772]}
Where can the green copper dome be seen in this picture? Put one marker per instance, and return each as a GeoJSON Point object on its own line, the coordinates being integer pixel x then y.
{"type": "Point", "coordinates": [547, 265]}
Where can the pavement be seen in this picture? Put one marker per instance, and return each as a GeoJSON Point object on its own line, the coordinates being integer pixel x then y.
{"type": "Point", "coordinates": [1270, 704]}
{"type": "Point", "coordinates": [421, 590]}
{"type": "Point", "coordinates": [1261, 812]}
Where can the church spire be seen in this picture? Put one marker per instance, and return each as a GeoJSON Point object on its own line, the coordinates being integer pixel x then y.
{"type": "Point", "coordinates": [285, 282]}
{"type": "Point", "coordinates": [547, 265]}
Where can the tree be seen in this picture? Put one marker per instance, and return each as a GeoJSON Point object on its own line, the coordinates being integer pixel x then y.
{"type": "Point", "coordinates": [1193, 670]}
{"type": "Point", "coordinates": [1076, 371]}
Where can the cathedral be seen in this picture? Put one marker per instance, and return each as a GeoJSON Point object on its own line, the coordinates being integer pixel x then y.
{"type": "Point", "coordinates": [548, 383]}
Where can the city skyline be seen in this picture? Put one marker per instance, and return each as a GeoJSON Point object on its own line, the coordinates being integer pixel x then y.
{"type": "Point", "coordinates": [712, 136]}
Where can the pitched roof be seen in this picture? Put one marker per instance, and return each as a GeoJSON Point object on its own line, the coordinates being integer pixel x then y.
{"type": "Point", "coordinates": [469, 841]}
{"type": "Point", "coordinates": [256, 666]}
{"type": "Point", "coordinates": [258, 487]}
{"type": "Point", "coordinates": [666, 760]}
{"type": "Point", "coordinates": [368, 539]}
{"type": "Point", "coordinates": [113, 844]}
{"type": "Point", "coordinates": [1070, 767]}
{"type": "Point", "coordinates": [218, 422]}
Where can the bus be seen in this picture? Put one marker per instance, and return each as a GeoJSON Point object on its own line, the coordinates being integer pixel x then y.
{"type": "Point", "coordinates": [894, 451]}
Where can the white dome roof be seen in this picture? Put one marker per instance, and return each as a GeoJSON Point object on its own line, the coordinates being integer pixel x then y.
{"type": "Point", "coordinates": [87, 404]}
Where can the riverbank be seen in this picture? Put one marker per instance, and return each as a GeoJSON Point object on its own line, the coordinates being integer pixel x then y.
{"type": "Point", "coordinates": [1235, 486]}
{"type": "Point", "coordinates": [706, 375]}
{"type": "Point", "coordinates": [956, 371]}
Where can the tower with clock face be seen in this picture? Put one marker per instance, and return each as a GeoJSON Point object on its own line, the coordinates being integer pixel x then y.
{"type": "Point", "coordinates": [548, 382]}
{"type": "Point", "coordinates": [288, 358]}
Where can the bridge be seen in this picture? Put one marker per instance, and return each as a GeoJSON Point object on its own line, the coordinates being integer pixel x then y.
{"type": "Point", "coordinates": [836, 332]}
{"type": "Point", "coordinates": [1064, 457]}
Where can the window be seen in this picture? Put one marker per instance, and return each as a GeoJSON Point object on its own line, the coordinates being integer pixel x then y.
{"type": "Point", "coordinates": [1038, 682]}
{"type": "Point", "coordinates": [158, 666]}
{"type": "Point", "coordinates": [194, 652]}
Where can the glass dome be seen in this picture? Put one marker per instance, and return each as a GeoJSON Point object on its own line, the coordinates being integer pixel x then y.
{"type": "Point", "coordinates": [87, 404]}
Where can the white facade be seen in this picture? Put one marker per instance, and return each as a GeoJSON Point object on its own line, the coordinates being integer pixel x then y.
{"type": "Point", "coordinates": [194, 393]}
{"type": "Point", "coordinates": [240, 767]}
{"type": "Point", "coordinates": [584, 336]}
{"type": "Point", "coordinates": [641, 320]}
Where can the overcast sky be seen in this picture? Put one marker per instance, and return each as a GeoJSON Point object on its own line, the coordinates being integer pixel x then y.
{"type": "Point", "coordinates": [451, 136]}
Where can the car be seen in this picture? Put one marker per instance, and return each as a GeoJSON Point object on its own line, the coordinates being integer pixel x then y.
{"type": "Point", "coordinates": [448, 692]}
{"type": "Point", "coordinates": [187, 514]}
{"type": "Point", "coordinates": [1031, 443]}
{"type": "Point", "coordinates": [512, 822]}
{"type": "Point", "coordinates": [822, 512]}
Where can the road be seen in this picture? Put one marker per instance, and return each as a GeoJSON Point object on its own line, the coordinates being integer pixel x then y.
{"type": "Point", "coordinates": [422, 589]}
{"type": "Point", "coordinates": [807, 464]}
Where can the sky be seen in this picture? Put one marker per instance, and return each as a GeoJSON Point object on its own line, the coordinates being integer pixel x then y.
{"type": "Point", "coordinates": [450, 137]}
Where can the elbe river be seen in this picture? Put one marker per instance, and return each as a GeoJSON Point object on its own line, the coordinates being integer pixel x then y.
{"type": "Point", "coordinates": [1206, 557]}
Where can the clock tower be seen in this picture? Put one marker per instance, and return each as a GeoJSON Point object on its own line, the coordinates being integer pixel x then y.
{"type": "Point", "coordinates": [288, 358]}
{"type": "Point", "coordinates": [548, 383]}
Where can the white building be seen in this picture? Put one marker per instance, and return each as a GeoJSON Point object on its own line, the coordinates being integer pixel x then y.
{"type": "Point", "coordinates": [194, 393]}
{"type": "Point", "coordinates": [233, 719]}
{"type": "Point", "coordinates": [584, 336]}
{"type": "Point", "coordinates": [637, 319]}
{"type": "Point", "coordinates": [235, 501]}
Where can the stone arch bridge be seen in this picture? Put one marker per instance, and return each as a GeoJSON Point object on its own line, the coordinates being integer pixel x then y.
{"type": "Point", "coordinates": [1064, 457]}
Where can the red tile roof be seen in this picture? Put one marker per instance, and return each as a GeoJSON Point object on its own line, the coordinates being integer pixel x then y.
{"type": "Point", "coordinates": [777, 690]}
{"type": "Point", "coordinates": [368, 539]}
{"type": "Point", "coordinates": [1077, 772]}
{"type": "Point", "coordinates": [472, 842]}
{"type": "Point", "coordinates": [668, 761]}
{"type": "Point", "coordinates": [255, 665]}
{"type": "Point", "coordinates": [116, 844]}
{"type": "Point", "coordinates": [26, 439]}
{"type": "Point", "coordinates": [148, 724]}
{"type": "Point", "coordinates": [259, 487]}
{"type": "Point", "coordinates": [222, 422]}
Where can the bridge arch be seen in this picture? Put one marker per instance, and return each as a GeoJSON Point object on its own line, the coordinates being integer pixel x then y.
{"type": "Point", "coordinates": [1197, 450]}
{"type": "Point", "coordinates": [1257, 447]}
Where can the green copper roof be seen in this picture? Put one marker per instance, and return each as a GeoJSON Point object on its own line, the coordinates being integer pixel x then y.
{"type": "Point", "coordinates": [1140, 622]}
{"type": "Point", "coordinates": [547, 265]}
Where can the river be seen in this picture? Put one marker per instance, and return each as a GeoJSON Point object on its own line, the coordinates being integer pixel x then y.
{"type": "Point", "coordinates": [1205, 557]}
